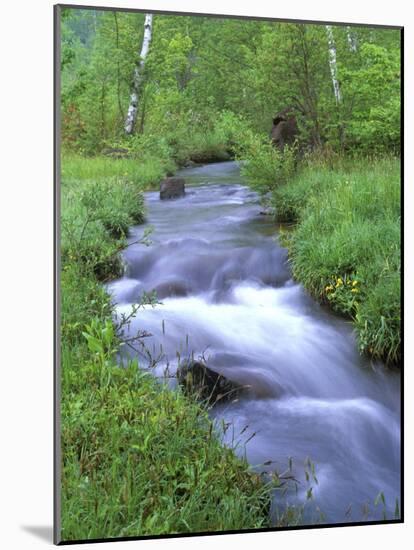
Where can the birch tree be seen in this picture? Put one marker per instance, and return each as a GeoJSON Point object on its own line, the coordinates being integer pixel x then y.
{"type": "Point", "coordinates": [138, 77]}
{"type": "Point", "coordinates": [333, 65]}
{"type": "Point", "coordinates": [352, 40]}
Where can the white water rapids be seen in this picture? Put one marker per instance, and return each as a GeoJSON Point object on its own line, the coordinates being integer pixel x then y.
{"type": "Point", "coordinates": [227, 294]}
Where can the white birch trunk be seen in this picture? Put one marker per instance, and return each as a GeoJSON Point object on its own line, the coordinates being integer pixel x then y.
{"type": "Point", "coordinates": [352, 41]}
{"type": "Point", "coordinates": [332, 64]}
{"type": "Point", "coordinates": [138, 77]}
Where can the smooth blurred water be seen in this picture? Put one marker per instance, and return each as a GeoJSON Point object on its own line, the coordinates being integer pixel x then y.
{"type": "Point", "coordinates": [228, 296]}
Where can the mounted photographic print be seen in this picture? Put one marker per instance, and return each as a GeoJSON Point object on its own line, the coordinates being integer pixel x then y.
{"type": "Point", "coordinates": [228, 274]}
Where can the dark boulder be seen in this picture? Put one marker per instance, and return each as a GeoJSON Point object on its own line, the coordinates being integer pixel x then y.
{"type": "Point", "coordinates": [172, 188]}
{"type": "Point", "coordinates": [285, 129]}
{"type": "Point", "coordinates": [205, 384]}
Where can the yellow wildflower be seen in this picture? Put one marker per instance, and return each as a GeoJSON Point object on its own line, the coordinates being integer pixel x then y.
{"type": "Point", "coordinates": [354, 290]}
{"type": "Point", "coordinates": [328, 288]}
{"type": "Point", "coordinates": [354, 283]}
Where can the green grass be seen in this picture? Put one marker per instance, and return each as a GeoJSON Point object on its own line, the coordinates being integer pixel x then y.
{"type": "Point", "coordinates": [95, 219]}
{"type": "Point", "coordinates": [140, 459]}
{"type": "Point", "coordinates": [150, 160]}
{"type": "Point", "coordinates": [137, 458]}
{"type": "Point", "coordinates": [205, 147]}
{"type": "Point", "coordinates": [345, 248]}
{"type": "Point", "coordinates": [146, 173]}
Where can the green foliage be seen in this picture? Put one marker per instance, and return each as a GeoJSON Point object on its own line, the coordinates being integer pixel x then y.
{"type": "Point", "coordinates": [137, 458]}
{"type": "Point", "coordinates": [375, 87]}
{"type": "Point", "coordinates": [150, 147]}
{"type": "Point", "coordinates": [292, 69]}
{"type": "Point", "coordinates": [144, 172]}
{"type": "Point", "coordinates": [263, 166]}
{"type": "Point", "coordinates": [266, 167]}
{"type": "Point", "coordinates": [96, 83]}
{"type": "Point", "coordinates": [98, 209]}
{"type": "Point", "coordinates": [233, 129]}
{"type": "Point", "coordinates": [199, 147]}
{"type": "Point", "coordinates": [346, 246]}
{"type": "Point", "coordinates": [199, 67]}
{"type": "Point", "coordinates": [140, 459]}
{"type": "Point", "coordinates": [82, 298]}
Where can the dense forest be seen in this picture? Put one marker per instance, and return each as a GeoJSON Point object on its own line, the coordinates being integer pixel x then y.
{"type": "Point", "coordinates": [200, 72]}
{"type": "Point", "coordinates": [143, 95]}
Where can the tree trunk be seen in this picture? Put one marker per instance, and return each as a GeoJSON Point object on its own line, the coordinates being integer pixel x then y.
{"type": "Point", "coordinates": [352, 40]}
{"type": "Point", "coordinates": [118, 70]}
{"type": "Point", "coordinates": [142, 119]}
{"type": "Point", "coordinates": [332, 64]}
{"type": "Point", "coordinates": [308, 89]}
{"type": "Point", "coordinates": [138, 77]}
{"type": "Point", "coordinates": [335, 85]}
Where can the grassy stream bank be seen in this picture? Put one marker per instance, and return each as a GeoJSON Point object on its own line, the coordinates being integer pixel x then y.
{"type": "Point", "coordinates": [345, 247]}
{"type": "Point", "coordinates": [137, 458]}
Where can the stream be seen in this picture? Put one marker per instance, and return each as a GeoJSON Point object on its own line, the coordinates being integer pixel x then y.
{"type": "Point", "coordinates": [228, 296]}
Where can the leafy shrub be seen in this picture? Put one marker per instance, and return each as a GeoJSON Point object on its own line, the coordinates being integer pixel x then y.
{"type": "Point", "coordinates": [234, 131]}
{"type": "Point", "coordinates": [265, 167]}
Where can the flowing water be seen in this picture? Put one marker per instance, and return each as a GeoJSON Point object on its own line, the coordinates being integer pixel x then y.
{"type": "Point", "coordinates": [227, 295]}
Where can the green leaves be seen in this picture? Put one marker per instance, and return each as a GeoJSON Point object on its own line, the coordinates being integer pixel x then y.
{"type": "Point", "coordinates": [199, 67]}
{"type": "Point", "coordinates": [138, 458]}
{"type": "Point", "coordinates": [101, 339]}
{"type": "Point", "coordinates": [142, 448]}
{"type": "Point", "coordinates": [266, 167]}
{"type": "Point", "coordinates": [94, 345]}
{"type": "Point", "coordinates": [374, 85]}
